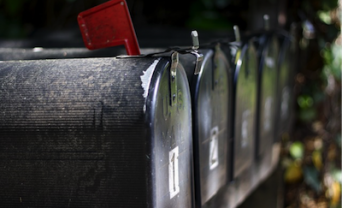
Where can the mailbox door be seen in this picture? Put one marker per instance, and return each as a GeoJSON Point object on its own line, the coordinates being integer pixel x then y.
{"type": "Point", "coordinates": [286, 70]}
{"type": "Point", "coordinates": [245, 84]}
{"type": "Point", "coordinates": [267, 95]}
{"type": "Point", "coordinates": [171, 130]}
{"type": "Point", "coordinates": [211, 123]}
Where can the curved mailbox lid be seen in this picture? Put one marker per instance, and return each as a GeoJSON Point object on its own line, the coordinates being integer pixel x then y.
{"type": "Point", "coordinates": [267, 93]}
{"type": "Point", "coordinates": [171, 131]}
{"type": "Point", "coordinates": [210, 97]}
{"type": "Point", "coordinates": [37, 53]}
{"type": "Point", "coordinates": [92, 121]}
{"type": "Point", "coordinates": [245, 93]}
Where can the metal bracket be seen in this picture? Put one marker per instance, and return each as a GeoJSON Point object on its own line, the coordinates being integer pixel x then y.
{"type": "Point", "coordinates": [175, 51]}
{"type": "Point", "coordinates": [182, 50]}
{"type": "Point", "coordinates": [199, 56]}
{"type": "Point", "coordinates": [173, 77]}
{"type": "Point", "coordinates": [266, 22]}
{"type": "Point", "coordinates": [195, 42]}
{"type": "Point", "coordinates": [237, 39]}
{"type": "Point", "coordinates": [199, 61]}
{"type": "Point", "coordinates": [175, 62]}
{"type": "Point", "coordinates": [237, 33]}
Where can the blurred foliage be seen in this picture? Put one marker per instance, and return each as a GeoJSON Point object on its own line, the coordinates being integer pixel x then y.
{"type": "Point", "coordinates": [11, 18]}
{"type": "Point", "coordinates": [22, 18]}
{"type": "Point", "coordinates": [316, 144]}
{"type": "Point", "coordinates": [308, 111]}
{"type": "Point", "coordinates": [293, 172]}
{"type": "Point", "coordinates": [297, 150]}
{"type": "Point", "coordinates": [217, 14]}
{"type": "Point", "coordinates": [204, 15]}
{"type": "Point", "coordinates": [311, 177]}
{"type": "Point", "coordinates": [333, 61]}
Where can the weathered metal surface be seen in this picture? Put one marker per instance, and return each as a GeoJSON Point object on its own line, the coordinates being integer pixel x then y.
{"type": "Point", "coordinates": [80, 133]}
{"type": "Point", "coordinates": [267, 94]}
{"type": "Point", "coordinates": [172, 141]}
{"type": "Point", "coordinates": [63, 53]}
{"type": "Point", "coordinates": [245, 85]}
{"type": "Point", "coordinates": [268, 49]}
{"type": "Point", "coordinates": [210, 97]}
{"type": "Point", "coordinates": [285, 81]}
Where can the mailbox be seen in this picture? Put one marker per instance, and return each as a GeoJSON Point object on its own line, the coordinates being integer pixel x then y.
{"type": "Point", "coordinates": [210, 93]}
{"type": "Point", "coordinates": [267, 93]}
{"type": "Point", "coordinates": [62, 53]}
{"type": "Point", "coordinates": [285, 83]}
{"type": "Point", "coordinates": [245, 105]}
{"type": "Point", "coordinates": [95, 132]}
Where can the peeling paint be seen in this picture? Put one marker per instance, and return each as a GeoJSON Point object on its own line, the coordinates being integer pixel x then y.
{"type": "Point", "coordinates": [146, 77]}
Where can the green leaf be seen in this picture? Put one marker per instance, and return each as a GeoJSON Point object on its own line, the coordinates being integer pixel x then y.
{"type": "Point", "coordinates": [338, 140]}
{"type": "Point", "coordinates": [305, 101]}
{"type": "Point", "coordinates": [297, 150]}
{"type": "Point", "coordinates": [329, 4]}
{"type": "Point", "coordinates": [333, 61]}
{"type": "Point", "coordinates": [311, 178]}
{"type": "Point", "coordinates": [324, 16]}
{"type": "Point", "coordinates": [307, 115]}
{"type": "Point", "coordinates": [337, 175]}
{"type": "Point", "coordinates": [14, 7]}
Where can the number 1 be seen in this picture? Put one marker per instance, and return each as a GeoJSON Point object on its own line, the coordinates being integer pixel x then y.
{"type": "Point", "coordinates": [173, 172]}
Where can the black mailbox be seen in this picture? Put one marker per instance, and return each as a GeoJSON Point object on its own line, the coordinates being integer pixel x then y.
{"type": "Point", "coordinates": [245, 105]}
{"type": "Point", "coordinates": [62, 53]}
{"type": "Point", "coordinates": [104, 132]}
{"type": "Point", "coordinates": [285, 83]}
{"type": "Point", "coordinates": [210, 93]}
{"type": "Point", "coordinates": [267, 95]}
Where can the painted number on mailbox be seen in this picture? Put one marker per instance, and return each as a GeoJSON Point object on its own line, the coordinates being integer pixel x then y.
{"type": "Point", "coordinates": [173, 172]}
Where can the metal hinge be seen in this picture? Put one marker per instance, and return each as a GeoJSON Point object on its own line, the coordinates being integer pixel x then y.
{"type": "Point", "coordinates": [173, 77]}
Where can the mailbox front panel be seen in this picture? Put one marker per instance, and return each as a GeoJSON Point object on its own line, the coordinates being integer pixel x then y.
{"type": "Point", "coordinates": [211, 104]}
{"type": "Point", "coordinates": [245, 81]}
{"type": "Point", "coordinates": [286, 69]}
{"type": "Point", "coordinates": [171, 140]}
{"type": "Point", "coordinates": [268, 93]}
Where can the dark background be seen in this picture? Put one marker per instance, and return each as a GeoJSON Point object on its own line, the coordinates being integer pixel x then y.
{"type": "Point", "coordinates": [57, 19]}
{"type": "Point", "coordinates": [31, 18]}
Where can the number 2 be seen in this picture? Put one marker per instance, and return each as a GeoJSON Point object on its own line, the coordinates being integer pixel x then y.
{"type": "Point", "coordinates": [213, 151]}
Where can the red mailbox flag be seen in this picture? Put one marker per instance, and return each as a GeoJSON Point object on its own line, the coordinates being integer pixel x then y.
{"type": "Point", "coordinates": [107, 25]}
